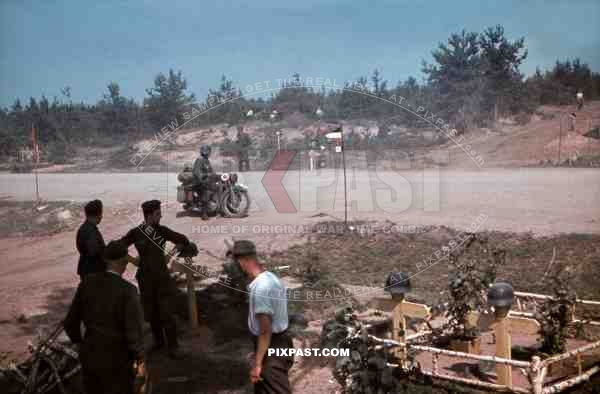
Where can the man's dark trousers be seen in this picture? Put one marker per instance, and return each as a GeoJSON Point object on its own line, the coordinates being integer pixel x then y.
{"type": "Point", "coordinates": [110, 381]}
{"type": "Point", "coordinates": [276, 367]}
{"type": "Point", "coordinates": [157, 300]}
{"type": "Point", "coordinates": [157, 289]}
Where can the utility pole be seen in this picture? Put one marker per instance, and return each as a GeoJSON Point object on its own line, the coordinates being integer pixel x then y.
{"type": "Point", "coordinates": [36, 155]}
{"type": "Point", "coordinates": [345, 192]}
{"type": "Point", "coordinates": [560, 139]}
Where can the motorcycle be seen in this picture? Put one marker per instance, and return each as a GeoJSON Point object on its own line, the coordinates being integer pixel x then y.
{"type": "Point", "coordinates": [225, 195]}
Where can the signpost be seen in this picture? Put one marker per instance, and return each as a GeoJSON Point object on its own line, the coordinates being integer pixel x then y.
{"type": "Point", "coordinates": [278, 140]}
{"type": "Point", "coordinates": [345, 192]}
{"type": "Point", "coordinates": [36, 157]}
{"type": "Point", "coordinates": [338, 135]}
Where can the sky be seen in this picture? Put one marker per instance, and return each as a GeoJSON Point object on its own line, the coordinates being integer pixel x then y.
{"type": "Point", "coordinates": [46, 45]}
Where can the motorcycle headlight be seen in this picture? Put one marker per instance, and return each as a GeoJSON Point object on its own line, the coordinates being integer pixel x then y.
{"type": "Point", "coordinates": [225, 177]}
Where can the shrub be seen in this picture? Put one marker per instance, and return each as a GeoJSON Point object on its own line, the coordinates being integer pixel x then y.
{"type": "Point", "coordinates": [469, 281]}
{"type": "Point", "coordinates": [555, 314]}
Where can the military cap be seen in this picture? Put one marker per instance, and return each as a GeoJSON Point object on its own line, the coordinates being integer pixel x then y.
{"type": "Point", "coordinates": [243, 248]}
{"type": "Point", "coordinates": [114, 251]}
{"type": "Point", "coordinates": [150, 206]}
{"type": "Point", "coordinates": [93, 208]}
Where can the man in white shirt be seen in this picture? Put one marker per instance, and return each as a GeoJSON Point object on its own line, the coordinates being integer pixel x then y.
{"type": "Point", "coordinates": [267, 322]}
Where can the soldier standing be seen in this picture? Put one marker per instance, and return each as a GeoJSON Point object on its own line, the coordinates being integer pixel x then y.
{"type": "Point", "coordinates": [244, 143]}
{"type": "Point", "coordinates": [110, 310]}
{"type": "Point", "coordinates": [157, 288]}
{"type": "Point", "coordinates": [89, 241]}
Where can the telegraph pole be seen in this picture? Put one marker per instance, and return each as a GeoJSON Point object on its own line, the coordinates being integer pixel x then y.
{"type": "Point", "coordinates": [36, 154]}
{"type": "Point", "coordinates": [345, 192]}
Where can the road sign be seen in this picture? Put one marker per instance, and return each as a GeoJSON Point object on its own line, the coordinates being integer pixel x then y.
{"type": "Point", "coordinates": [334, 135]}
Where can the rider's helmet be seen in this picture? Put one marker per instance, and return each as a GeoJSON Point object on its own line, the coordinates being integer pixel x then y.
{"type": "Point", "coordinates": [205, 151]}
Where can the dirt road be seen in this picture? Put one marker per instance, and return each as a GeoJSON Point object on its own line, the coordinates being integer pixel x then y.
{"type": "Point", "coordinates": [543, 201]}
{"type": "Point", "coordinates": [37, 275]}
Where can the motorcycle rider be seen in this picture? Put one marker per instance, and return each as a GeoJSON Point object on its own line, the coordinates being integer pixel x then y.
{"type": "Point", "coordinates": [202, 171]}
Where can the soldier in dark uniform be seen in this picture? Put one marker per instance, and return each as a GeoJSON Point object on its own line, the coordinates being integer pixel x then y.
{"type": "Point", "coordinates": [157, 288]}
{"type": "Point", "coordinates": [202, 171]}
{"type": "Point", "coordinates": [110, 310]}
{"type": "Point", "coordinates": [89, 241]}
{"type": "Point", "coordinates": [244, 144]}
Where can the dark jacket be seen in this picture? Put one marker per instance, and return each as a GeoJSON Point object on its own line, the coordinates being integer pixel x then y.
{"type": "Point", "coordinates": [245, 143]}
{"type": "Point", "coordinates": [153, 275]}
{"type": "Point", "coordinates": [110, 310]}
{"type": "Point", "coordinates": [90, 245]}
{"type": "Point", "coordinates": [202, 169]}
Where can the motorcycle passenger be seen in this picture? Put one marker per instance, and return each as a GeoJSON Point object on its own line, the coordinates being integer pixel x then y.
{"type": "Point", "coordinates": [202, 171]}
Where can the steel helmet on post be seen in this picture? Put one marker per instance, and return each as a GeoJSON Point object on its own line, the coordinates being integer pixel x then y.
{"type": "Point", "coordinates": [397, 283]}
{"type": "Point", "coordinates": [501, 295]}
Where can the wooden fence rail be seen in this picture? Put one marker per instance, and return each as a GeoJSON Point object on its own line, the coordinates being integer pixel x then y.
{"type": "Point", "coordinates": [574, 352]}
{"type": "Point", "coordinates": [451, 353]}
{"type": "Point", "coordinates": [536, 370]}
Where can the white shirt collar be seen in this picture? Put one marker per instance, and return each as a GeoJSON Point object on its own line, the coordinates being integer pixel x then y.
{"type": "Point", "coordinates": [253, 283]}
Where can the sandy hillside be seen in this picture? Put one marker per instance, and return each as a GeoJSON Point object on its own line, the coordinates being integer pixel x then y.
{"type": "Point", "coordinates": [508, 145]}
{"type": "Point", "coordinates": [513, 145]}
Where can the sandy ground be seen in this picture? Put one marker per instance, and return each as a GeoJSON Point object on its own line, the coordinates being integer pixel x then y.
{"type": "Point", "coordinates": [37, 274]}
{"type": "Point", "coordinates": [532, 143]}
{"type": "Point", "coordinates": [541, 201]}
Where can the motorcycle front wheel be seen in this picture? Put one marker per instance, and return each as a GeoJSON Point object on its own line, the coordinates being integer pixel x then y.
{"type": "Point", "coordinates": [236, 204]}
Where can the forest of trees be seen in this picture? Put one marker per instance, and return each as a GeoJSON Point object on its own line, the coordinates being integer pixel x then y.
{"type": "Point", "coordinates": [474, 79]}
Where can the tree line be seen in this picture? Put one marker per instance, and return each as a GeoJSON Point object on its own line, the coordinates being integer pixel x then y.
{"type": "Point", "coordinates": [473, 80]}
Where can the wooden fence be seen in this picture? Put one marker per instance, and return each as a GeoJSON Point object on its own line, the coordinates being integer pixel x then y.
{"type": "Point", "coordinates": [536, 370]}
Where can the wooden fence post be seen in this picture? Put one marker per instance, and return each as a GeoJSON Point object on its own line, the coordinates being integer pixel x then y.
{"type": "Point", "coordinates": [191, 290]}
{"type": "Point", "coordinates": [503, 349]}
{"type": "Point", "coordinates": [399, 327]}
